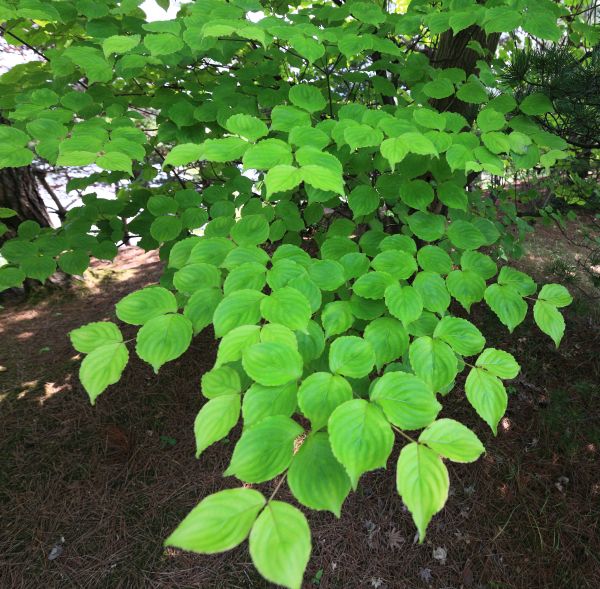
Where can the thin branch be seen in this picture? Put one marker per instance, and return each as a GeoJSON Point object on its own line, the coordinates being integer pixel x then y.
{"type": "Point", "coordinates": [60, 209]}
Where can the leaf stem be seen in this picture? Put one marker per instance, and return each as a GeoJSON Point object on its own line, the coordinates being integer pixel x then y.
{"type": "Point", "coordinates": [283, 477]}
{"type": "Point", "coordinates": [412, 440]}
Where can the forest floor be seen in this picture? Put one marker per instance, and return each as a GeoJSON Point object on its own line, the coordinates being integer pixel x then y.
{"type": "Point", "coordinates": [88, 494]}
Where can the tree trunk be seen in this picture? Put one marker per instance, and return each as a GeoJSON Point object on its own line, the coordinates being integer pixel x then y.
{"type": "Point", "coordinates": [19, 191]}
{"type": "Point", "coordinates": [452, 51]}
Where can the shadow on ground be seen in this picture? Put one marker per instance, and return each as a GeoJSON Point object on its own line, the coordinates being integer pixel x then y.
{"type": "Point", "coordinates": [89, 493]}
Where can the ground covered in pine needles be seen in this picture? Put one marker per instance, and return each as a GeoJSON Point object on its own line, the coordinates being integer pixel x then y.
{"type": "Point", "coordinates": [88, 494]}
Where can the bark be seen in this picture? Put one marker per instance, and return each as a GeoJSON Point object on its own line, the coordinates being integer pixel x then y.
{"type": "Point", "coordinates": [19, 191]}
{"type": "Point", "coordinates": [452, 51]}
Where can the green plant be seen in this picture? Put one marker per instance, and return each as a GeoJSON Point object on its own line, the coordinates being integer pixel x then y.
{"type": "Point", "coordinates": [303, 171]}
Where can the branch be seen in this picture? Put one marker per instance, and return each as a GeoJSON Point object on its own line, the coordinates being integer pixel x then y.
{"type": "Point", "coordinates": [60, 209]}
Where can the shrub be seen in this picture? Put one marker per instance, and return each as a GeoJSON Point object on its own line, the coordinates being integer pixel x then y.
{"type": "Point", "coordinates": [306, 174]}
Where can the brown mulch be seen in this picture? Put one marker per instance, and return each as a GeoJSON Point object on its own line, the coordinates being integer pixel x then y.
{"type": "Point", "coordinates": [99, 488]}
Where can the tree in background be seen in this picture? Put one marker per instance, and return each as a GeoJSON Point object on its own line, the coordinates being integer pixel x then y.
{"type": "Point", "coordinates": [307, 175]}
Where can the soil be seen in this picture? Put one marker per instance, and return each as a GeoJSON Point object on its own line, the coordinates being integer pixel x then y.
{"type": "Point", "coordinates": [88, 494]}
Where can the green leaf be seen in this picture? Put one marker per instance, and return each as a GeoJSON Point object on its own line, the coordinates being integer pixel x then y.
{"type": "Point", "coordinates": [507, 304]}
{"type": "Point", "coordinates": [282, 178]}
{"type": "Point", "coordinates": [221, 380]}
{"type": "Point", "coordinates": [87, 338]}
{"type": "Point", "coordinates": [398, 264]}
{"type": "Point", "coordinates": [458, 156]}
{"type": "Point", "coordinates": [183, 154]}
{"type": "Point", "coordinates": [307, 97]}
{"type": "Point", "coordinates": [487, 395]}
{"type": "Point", "coordinates": [464, 338]}
{"type": "Point", "coordinates": [438, 89]}
{"type": "Point", "coordinates": [337, 318]}
{"type": "Point", "coordinates": [452, 195]}
{"type": "Point", "coordinates": [501, 19]}
{"type": "Point", "coordinates": [432, 289]}
{"type": "Point", "coordinates": [235, 342]}
{"type": "Point", "coordinates": [219, 522]}
{"type": "Point", "coordinates": [388, 339]}
{"type": "Point", "coordinates": [427, 226]}
{"type": "Point", "coordinates": [272, 364]}
{"type": "Point", "coordinates": [75, 262]}
{"type": "Point", "coordinates": [285, 118]}
{"type": "Point", "coordinates": [215, 420]}
{"type": "Point", "coordinates": [404, 303]}
{"type": "Point", "coordinates": [316, 478]}
{"type": "Point", "coordinates": [479, 263]}
{"type": "Point", "coordinates": [38, 267]}
{"type": "Point", "coordinates": [120, 44]}
{"type": "Point", "coordinates": [246, 126]}
{"type": "Point", "coordinates": [102, 367]}
{"type": "Point", "coordinates": [163, 43]}
{"type": "Point", "coordinates": [163, 339]}
{"type": "Point", "coordinates": [394, 150]}
{"type": "Point", "coordinates": [166, 228]}
{"type": "Point", "coordinates": [223, 150]}
{"type": "Point", "coordinates": [541, 22]}
{"type": "Point", "coordinates": [18, 157]}
{"type": "Point", "coordinates": [429, 118]}
{"type": "Point", "coordinates": [361, 438]}
{"type": "Point", "coordinates": [433, 361]}
{"type": "Point", "coordinates": [287, 306]}
{"type": "Point", "coordinates": [417, 194]}
{"type": "Point", "coordinates": [452, 440]}
{"type": "Point", "coordinates": [496, 142]}
{"type": "Point", "coordinates": [490, 120]}
{"type": "Point", "coordinates": [6, 213]}
{"type": "Point", "coordinates": [465, 235]}
{"type": "Point", "coordinates": [407, 401]}
{"type": "Point", "coordinates": [267, 154]}
{"type": "Point", "coordinates": [261, 402]}
{"type": "Point", "coordinates": [201, 306]}
{"type": "Point", "coordinates": [280, 544]}
{"type": "Point", "coordinates": [520, 281]}
{"type": "Point", "coordinates": [246, 276]}
{"type": "Point", "coordinates": [363, 200]}
{"type": "Point", "coordinates": [319, 394]}
{"type": "Point", "coordinates": [555, 294]}
{"type": "Point", "coordinates": [536, 104]}
{"type": "Point", "coordinates": [372, 285]}
{"type": "Point", "coordinates": [498, 363]}
{"type": "Point", "coordinates": [11, 277]}
{"type": "Point", "coordinates": [309, 136]}
{"type": "Point", "coordinates": [307, 47]}
{"type": "Point", "coordinates": [142, 305]}
{"type": "Point", "coordinates": [550, 320]}
{"type": "Point", "coordinates": [180, 252]}
{"type": "Point", "coordinates": [192, 277]}
{"type": "Point", "coordinates": [466, 286]}
{"type": "Point", "coordinates": [211, 250]}
{"type": "Point", "coordinates": [241, 307]}
{"type": "Point", "coordinates": [351, 356]}
{"type": "Point", "coordinates": [328, 275]}
{"type": "Point", "coordinates": [115, 161]}
{"type": "Point", "coordinates": [250, 230]}
{"type": "Point", "coordinates": [419, 144]}
{"type": "Point", "coordinates": [422, 482]}
{"type": "Point", "coordinates": [264, 450]}
{"type": "Point", "coordinates": [434, 259]}
{"type": "Point", "coordinates": [91, 61]}
{"type": "Point", "coordinates": [323, 178]}
{"type": "Point", "coordinates": [472, 93]}
{"type": "Point", "coordinates": [359, 136]}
